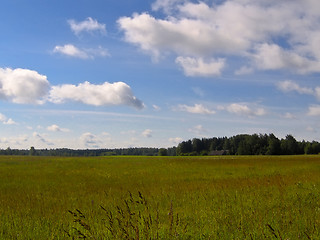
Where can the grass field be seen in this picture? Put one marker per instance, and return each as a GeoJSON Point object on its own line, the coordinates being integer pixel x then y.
{"type": "Point", "coordinates": [243, 197]}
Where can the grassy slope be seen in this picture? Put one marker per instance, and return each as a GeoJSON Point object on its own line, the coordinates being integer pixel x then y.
{"type": "Point", "coordinates": [256, 197]}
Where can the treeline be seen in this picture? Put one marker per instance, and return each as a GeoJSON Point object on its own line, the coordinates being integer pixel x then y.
{"type": "Point", "coordinates": [243, 144]}
{"type": "Point", "coordinates": [66, 152]}
{"type": "Point", "coordinates": [246, 144]}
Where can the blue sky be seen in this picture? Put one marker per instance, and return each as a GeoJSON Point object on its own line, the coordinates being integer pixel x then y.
{"type": "Point", "coordinates": [112, 74]}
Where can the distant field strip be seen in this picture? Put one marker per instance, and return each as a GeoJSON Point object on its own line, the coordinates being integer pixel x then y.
{"type": "Point", "coordinates": [225, 197]}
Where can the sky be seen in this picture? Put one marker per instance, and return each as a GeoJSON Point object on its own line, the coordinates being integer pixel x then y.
{"type": "Point", "coordinates": [152, 73]}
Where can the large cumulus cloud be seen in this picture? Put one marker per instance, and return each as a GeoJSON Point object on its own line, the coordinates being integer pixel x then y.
{"type": "Point", "coordinates": [26, 86]}
{"type": "Point", "coordinates": [268, 35]}
{"type": "Point", "coordinates": [118, 93]}
{"type": "Point", "coordinates": [23, 86]}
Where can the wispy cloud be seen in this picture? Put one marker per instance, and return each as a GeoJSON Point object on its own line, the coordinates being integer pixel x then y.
{"type": "Point", "coordinates": [5, 120]}
{"type": "Point", "coordinates": [14, 141]}
{"type": "Point", "coordinates": [290, 86]}
{"type": "Point", "coordinates": [244, 110]}
{"type": "Point", "coordinates": [244, 70]}
{"type": "Point", "coordinates": [147, 133]}
{"type": "Point", "coordinates": [199, 130]}
{"type": "Point", "coordinates": [56, 128]}
{"type": "Point", "coordinates": [311, 129]}
{"type": "Point", "coordinates": [289, 116]}
{"type": "Point", "coordinates": [41, 139]}
{"type": "Point", "coordinates": [88, 25]}
{"type": "Point", "coordinates": [314, 110]}
{"type": "Point", "coordinates": [196, 109]}
{"type": "Point", "coordinates": [166, 5]}
{"type": "Point", "coordinates": [90, 140]}
{"type": "Point", "coordinates": [72, 51]}
{"type": "Point", "coordinates": [193, 67]}
{"type": "Point", "coordinates": [175, 140]}
{"type": "Point", "coordinates": [198, 91]}
{"type": "Point", "coordinates": [156, 107]}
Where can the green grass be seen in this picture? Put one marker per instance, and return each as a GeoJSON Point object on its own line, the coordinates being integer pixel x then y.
{"type": "Point", "coordinates": [243, 197]}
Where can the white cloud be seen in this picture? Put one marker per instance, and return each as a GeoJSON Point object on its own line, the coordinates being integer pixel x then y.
{"type": "Point", "coordinates": [41, 139]}
{"type": "Point", "coordinates": [56, 128]}
{"type": "Point", "coordinates": [259, 112]}
{"type": "Point", "coordinates": [166, 5]}
{"type": "Point", "coordinates": [117, 93]}
{"type": "Point", "coordinates": [23, 86]}
{"type": "Point", "coordinates": [270, 35]}
{"type": "Point", "coordinates": [185, 37]}
{"type": "Point", "coordinates": [273, 57]}
{"type": "Point", "coordinates": [244, 70]}
{"type": "Point", "coordinates": [317, 92]}
{"type": "Point", "coordinates": [147, 133]}
{"type": "Point", "coordinates": [88, 25]}
{"type": "Point", "coordinates": [90, 140]}
{"type": "Point", "coordinates": [14, 141]}
{"type": "Point", "coordinates": [197, 109]}
{"type": "Point", "coordinates": [72, 51]}
{"type": "Point", "coordinates": [239, 109]}
{"type": "Point", "coordinates": [289, 116]}
{"type": "Point", "coordinates": [97, 52]}
{"type": "Point", "coordinates": [5, 120]}
{"type": "Point", "coordinates": [156, 107]}
{"type": "Point", "coordinates": [175, 140]}
{"type": "Point", "coordinates": [193, 67]}
{"type": "Point", "coordinates": [198, 130]}
{"type": "Point", "coordinates": [310, 129]}
{"type": "Point", "coordinates": [314, 110]}
{"type": "Point", "coordinates": [10, 122]}
{"type": "Point", "coordinates": [245, 110]}
{"type": "Point", "coordinates": [289, 86]}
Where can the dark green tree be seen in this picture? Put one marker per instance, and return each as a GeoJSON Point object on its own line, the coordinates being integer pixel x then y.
{"type": "Point", "coordinates": [289, 146]}
{"type": "Point", "coordinates": [32, 151]}
{"type": "Point", "coordinates": [197, 145]}
{"type": "Point", "coordinates": [163, 152]}
{"type": "Point", "coordinates": [274, 145]}
{"type": "Point", "coordinates": [184, 148]}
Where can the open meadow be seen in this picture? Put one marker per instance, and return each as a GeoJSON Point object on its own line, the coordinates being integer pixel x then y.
{"type": "Point", "coordinates": [124, 197]}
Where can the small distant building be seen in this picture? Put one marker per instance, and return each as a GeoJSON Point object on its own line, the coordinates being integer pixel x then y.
{"type": "Point", "coordinates": [218, 152]}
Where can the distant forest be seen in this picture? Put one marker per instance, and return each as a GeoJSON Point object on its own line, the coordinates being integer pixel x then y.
{"type": "Point", "coordinates": [243, 144]}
